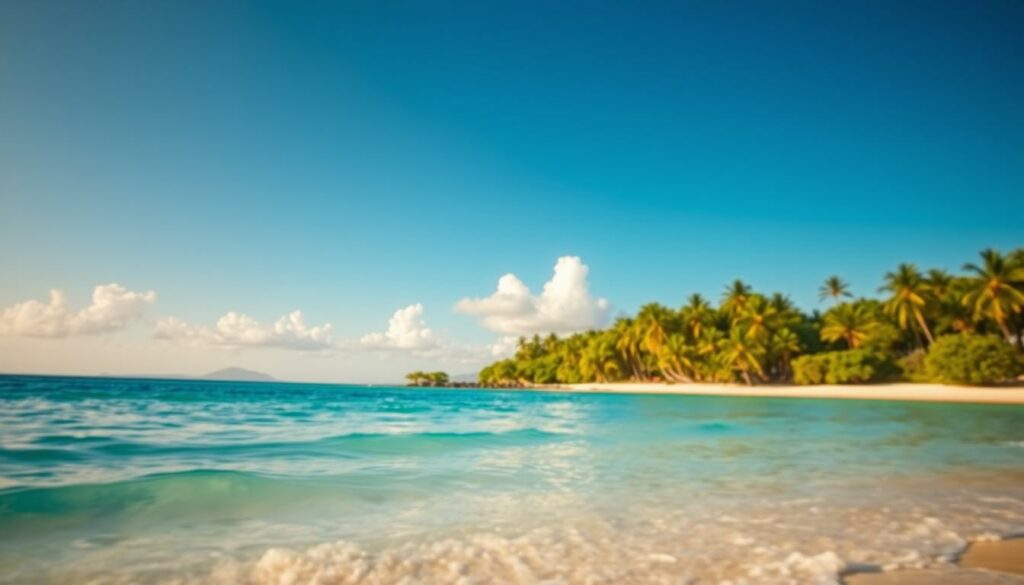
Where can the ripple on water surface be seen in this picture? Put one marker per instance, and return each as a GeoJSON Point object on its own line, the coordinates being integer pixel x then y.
{"type": "Point", "coordinates": [187, 481]}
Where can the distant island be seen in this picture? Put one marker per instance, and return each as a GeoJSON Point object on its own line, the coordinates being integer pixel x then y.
{"type": "Point", "coordinates": [441, 380]}
{"type": "Point", "coordinates": [238, 375]}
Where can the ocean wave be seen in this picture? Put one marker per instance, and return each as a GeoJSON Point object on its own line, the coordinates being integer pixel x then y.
{"type": "Point", "coordinates": [547, 555]}
{"type": "Point", "coordinates": [566, 556]}
{"type": "Point", "coordinates": [71, 459]}
{"type": "Point", "coordinates": [766, 546]}
{"type": "Point", "coordinates": [39, 456]}
{"type": "Point", "coordinates": [375, 443]}
{"type": "Point", "coordinates": [147, 483]}
{"type": "Point", "coordinates": [779, 541]}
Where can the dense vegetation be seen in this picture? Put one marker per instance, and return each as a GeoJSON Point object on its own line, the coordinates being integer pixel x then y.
{"type": "Point", "coordinates": [971, 359]}
{"type": "Point", "coordinates": [931, 325]}
{"type": "Point", "coordinates": [851, 366]}
{"type": "Point", "coordinates": [427, 378]}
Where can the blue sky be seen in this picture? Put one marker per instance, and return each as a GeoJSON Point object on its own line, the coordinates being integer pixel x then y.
{"type": "Point", "coordinates": [350, 159]}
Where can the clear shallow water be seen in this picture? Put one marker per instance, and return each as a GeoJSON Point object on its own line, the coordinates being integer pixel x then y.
{"type": "Point", "coordinates": [126, 481]}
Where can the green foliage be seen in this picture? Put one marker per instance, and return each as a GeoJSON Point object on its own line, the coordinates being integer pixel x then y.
{"type": "Point", "coordinates": [851, 323]}
{"type": "Point", "coordinates": [912, 366]}
{"type": "Point", "coordinates": [834, 288]}
{"type": "Point", "coordinates": [972, 359]}
{"type": "Point", "coordinates": [810, 369]}
{"type": "Point", "coordinates": [808, 331]}
{"type": "Point", "coordinates": [889, 339]}
{"type": "Point", "coordinates": [502, 373]}
{"type": "Point", "coordinates": [995, 291]}
{"type": "Point", "coordinates": [909, 299]}
{"type": "Point", "coordinates": [855, 366]}
{"type": "Point", "coordinates": [752, 337]}
{"type": "Point", "coordinates": [427, 378]}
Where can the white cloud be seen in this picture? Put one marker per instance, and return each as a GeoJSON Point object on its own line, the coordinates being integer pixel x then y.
{"type": "Point", "coordinates": [504, 347]}
{"type": "Point", "coordinates": [406, 330]}
{"type": "Point", "coordinates": [113, 307]}
{"type": "Point", "coordinates": [564, 306]}
{"type": "Point", "coordinates": [237, 330]}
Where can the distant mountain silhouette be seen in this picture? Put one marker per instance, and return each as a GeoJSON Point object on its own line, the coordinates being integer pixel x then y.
{"type": "Point", "coordinates": [238, 375]}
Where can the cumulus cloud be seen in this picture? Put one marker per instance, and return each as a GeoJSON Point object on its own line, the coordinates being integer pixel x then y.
{"type": "Point", "coordinates": [504, 347]}
{"type": "Point", "coordinates": [564, 306]}
{"type": "Point", "coordinates": [113, 308]}
{"type": "Point", "coordinates": [406, 330]}
{"type": "Point", "coordinates": [237, 330]}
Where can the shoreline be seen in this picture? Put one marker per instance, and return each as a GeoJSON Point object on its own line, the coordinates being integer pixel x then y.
{"type": "Point", "coordinates": [981, 562]}
{"type": "Point", "coordinates": [927, 392]}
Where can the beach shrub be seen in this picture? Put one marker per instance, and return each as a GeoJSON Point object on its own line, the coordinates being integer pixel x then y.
{"type": "Point", "coordinates": [884, 338]}
{"type": "Point", "coordinates": [855, 366]}
{"type": "Point", "coordinates": [809, 369]}
{"type": "Point", "coordinates": [912, 365]}
{"type": "Point", "coordinates": [971, 359]}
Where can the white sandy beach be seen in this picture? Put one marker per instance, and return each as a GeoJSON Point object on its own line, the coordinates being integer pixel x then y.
{"type": "Point", "coordinates": [914, 392]}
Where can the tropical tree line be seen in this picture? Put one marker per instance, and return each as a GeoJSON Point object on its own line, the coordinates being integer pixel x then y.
{"type": "Point", "coordinates": [754, 337]}
{"type": "Point", "coordinates": [427, 378]}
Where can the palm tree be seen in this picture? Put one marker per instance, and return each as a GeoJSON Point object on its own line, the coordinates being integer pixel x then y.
{"type": "Point", "coordinates": [675, 358]}
{"type": "Point", "coordinates": [598, 360]}
{"type": "Point", "coordinates": [550, 343]}
{"type": "Point", "coordinates": [437, 378]}
{"type": "Point", "coordinates": [710, 342]}
{"type": "Point", "coordinates": [707, 348]}
{"type": "Point", "coordinates": [851, 322]}
{"type": "Point", "coordinates": [1016, 258]}
{"type": "Point", "coordinates": [758, 316]}
{"type": "Point", "coordinates": [735, 297]}
{"type": "Point", "coordinates": [788, 314]}
{"type": "Point", "coordinates": [506, 372]}
{"type": "Point", "coordinates": [945, 308]}
{"type": "Point", "coordinates": [782, 303]}
{"type": "Point", "coordinates": [909, 293]}
{"type": "Point", "coordinates": [656, 323]}
{"type": "Point", "coordinates": [628, 340]}
{"type": "Point", "coordinates": [569, 358]}
{"type": "Point", "coordinates": [782, 347]}
{"type": "Point", "coordinates": [939, 282]}
{"type": "Point", "coordinates": [835, 288]}
{"type": "Point", "coordinates": [529, 348]}
{"type": "Point", "coordinates": [743, 355]}
{"type": "Point", "coordinates": [995, 289]}
{"type": "Point", "coordinates": [652, 321]}
{"type": "Point", "coordinates": [696, 315]}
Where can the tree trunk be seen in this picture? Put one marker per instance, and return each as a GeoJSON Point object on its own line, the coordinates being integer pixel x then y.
{"type": "Point", "coordinates": [924, 327]}
{"type": "Point", "coordinates": [746, 377]}
{"type": "Point", "coordinates": [632, 366]}
{"type": "Point", "coordinates": [1005, 330]}
{"type": "Point", "coordinates": [677, 376]}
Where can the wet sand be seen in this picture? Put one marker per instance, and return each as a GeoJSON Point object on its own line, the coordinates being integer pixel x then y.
{"type": "Point", "coordinates": [912, 392]}
{"type": "Point", "coordinates": [984, 563]}
{"type": "Point", "coordinates": [1002, 555]}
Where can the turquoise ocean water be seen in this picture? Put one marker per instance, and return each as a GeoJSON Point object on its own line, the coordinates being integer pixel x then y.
{"type": "Point", "coordinates": [164, 481]}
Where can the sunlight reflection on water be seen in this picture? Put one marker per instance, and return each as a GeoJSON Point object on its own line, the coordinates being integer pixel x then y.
{"type": "Point", "coordinates": [190, 481]}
